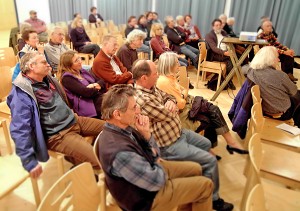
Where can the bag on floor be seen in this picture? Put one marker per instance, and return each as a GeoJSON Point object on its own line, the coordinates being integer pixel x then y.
{"type": "Point", "coordinates": [212, 83]}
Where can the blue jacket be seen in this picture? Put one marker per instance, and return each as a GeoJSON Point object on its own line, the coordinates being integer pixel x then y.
{"type": "Point", "coordinates": [25, 126]}
{"type": "Point", "coordinates": [240, 110]}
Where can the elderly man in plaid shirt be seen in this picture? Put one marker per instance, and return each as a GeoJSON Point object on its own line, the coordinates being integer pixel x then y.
{"type": "Point", "coordinates": [135, 175]}
{"type": "Point", "coordinates": [175, 143]}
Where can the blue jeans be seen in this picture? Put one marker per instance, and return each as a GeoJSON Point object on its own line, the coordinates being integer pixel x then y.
{"type": "Point", "coordinates": [190, 52]}
{"type": "Point", "coordinates": [144, 48]}
{"type": "Point", "coordinates": [191, 146]}
{"type": "Point", "coordinates": [183, 62]}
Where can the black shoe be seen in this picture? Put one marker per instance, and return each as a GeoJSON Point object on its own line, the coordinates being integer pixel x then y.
{"type": "Point", "coordinates": [221, 205]}
{"type": "Point", "coordinates": [191, 86]}
{"type": "Point", "coordinates": [296, 65]}
{"type": "Point", "coordinates": [218, 157]}
{"type": "Point", "coordinates": [233, 149]}
{"type": "Point", "coordinates": [292, 78]}
{"type": "Point", "coordinates": [231, 85]}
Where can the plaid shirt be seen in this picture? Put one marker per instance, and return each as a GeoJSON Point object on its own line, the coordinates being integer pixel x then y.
{"type": "Point", "coordinates": [272, 40]}
{"type": "Point", "coordinates": [165, 125]}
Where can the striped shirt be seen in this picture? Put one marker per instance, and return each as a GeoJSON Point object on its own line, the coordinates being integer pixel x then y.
{"type": "Point", "coordinates": [165, 125]}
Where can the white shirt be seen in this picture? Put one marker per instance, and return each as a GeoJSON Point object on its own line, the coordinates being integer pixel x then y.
{"type": "Point", "coordinates": [114, 65]}
{"type": "Point", "coordinates": [221, 45]}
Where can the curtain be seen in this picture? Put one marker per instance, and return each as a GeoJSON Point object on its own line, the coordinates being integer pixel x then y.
{"type": "Point", "coordinates": [83, 7]}
{"type": "Point", "coordinates": [284, 15]}
{"type": "Point", "coordinates": [60, 10]}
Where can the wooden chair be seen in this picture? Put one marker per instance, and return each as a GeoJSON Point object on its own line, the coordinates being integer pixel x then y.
{"type": "Point", "coordinates": [182, 77]}
{"type": "Point", "coordinates": [206, 66]}
{"type": "Point", "coordinates": [7, 57]}
{"type": "Point", "coordinates": [256, 199]}
{"type": "Point", "coordinates": [3, 125]}
{"type": "Point", "coordinates": [12, 174]}
{"type": "Point", "coordinates": [277, 197]}
{"type": "Point", "coordinates": [81, 193]}
{"type": "Point", "coordinates": [5, 88]}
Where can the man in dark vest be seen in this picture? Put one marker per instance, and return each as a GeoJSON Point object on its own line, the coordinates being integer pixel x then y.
{"type": "Point", "coordinates": [135, 175]}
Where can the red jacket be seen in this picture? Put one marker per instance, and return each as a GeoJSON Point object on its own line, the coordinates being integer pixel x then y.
{"type": "Point", "coordinates": [103, 69]}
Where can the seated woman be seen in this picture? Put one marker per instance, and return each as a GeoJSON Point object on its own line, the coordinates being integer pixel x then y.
{"type": "Point", "coordinates": [83, 91]}
{"type": "Point", "coordinates": [158, 45]}
{"type": "Point", "coordinates": [279, 94]}
{"type": "Point", "coordinates": [80, 39]}
{"type": "Point", "coordinates": [167, 69]}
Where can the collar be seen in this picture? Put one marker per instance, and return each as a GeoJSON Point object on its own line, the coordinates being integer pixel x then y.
{"type": "Point", "coordinates": [53, 44]}
{"type": "Point", "coordinates": [32, 81]}
{"type": "Point", "coordinates": [150, 91]}
{"type": "Point", "coordinates": [127, 131]}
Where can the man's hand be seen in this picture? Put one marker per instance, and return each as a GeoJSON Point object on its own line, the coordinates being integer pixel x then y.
{"type": "Point", "coordinates": [36, 171]}
{"type": "Point", "coordinates": [171, 106]}
{"type": "Point", "coordinates": [40, 48]}
{"type": "Point", "coordinates": [289, 52]}
{"type": "Point", "coordinates": [226, 53]}
{"type": "Point", "coordinates": [142, 125]}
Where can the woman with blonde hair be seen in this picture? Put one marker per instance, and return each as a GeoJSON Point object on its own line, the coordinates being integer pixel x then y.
{"type": "Point", "coordinates": [194, 111]}
{"type": "Point", "coordinates": [81, 41]}
{"type": "Point", "coordinates": [83, 91]}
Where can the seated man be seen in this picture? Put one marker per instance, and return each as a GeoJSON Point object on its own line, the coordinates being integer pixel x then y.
{"type": "Point", "coordinates": [286, 55]}
{"type": "Point", "coordinates": [218, 50]}
{"type": "Point", "coordinates": [42, 120]}
{"type": "Point", "coordinates": [128, 52]}
{"type": "Point", "coordinates": [108, 66]}
{"type": "Point", "coordinates": [177, 44]}
{"type": "Point", "coordinates": [38, 25]}
{"type": "Point", "coordinates": [95, 17]}
{"type": "Point", "coordinates": [131, 24]}
{"type": "Point", "coordinates": [55, 47]}
{"type": "Point", "coordinates": [135, 175]}
{"type": "Point", "coordinates": [175, 143]}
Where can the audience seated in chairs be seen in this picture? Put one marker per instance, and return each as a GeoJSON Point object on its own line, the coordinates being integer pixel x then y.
{"type": "Point", "coordinates": [142, 25]}
{"type": "Point", "coordinates": [131, 24]}
{"type": "Point", "coordinates": [55, 47]}
{"type": "Point", "coordinates": [175, 142]}
{"type": "Point", "coordinates": [177, 41]}
{"type": "Point", "coordinates": [81, 41]}
{"type": "Point", "coordinates": [128, 52]}
{"type": "Point", "coordinates": [229, 27]}
{"type": "Point", "coordinates": [181, 26]}
{"type": "Point", "coordinates": [195, 113]}
{"type": "Point", "coordinates": [195, 34]}
{"type": "Point", "coordinates": [286, 55]}
{"type": "Point", "coordinates": [38, 25]}
{"type": "Point", "coordinates": [159, 46]}
{"type": "Point", "coordinates": [262, 20]}
{"type": "Point", "coordinates": [278, 93]}
{"type": "Point", "coordinates": [135, 175]}
{"type": "Point", "coordinates": [95, 17]}
{"type": "Point", "coordinates": [42, 120]}
{"type": "Point", "coordinates": [108, 66]}
{"type": "Point", "coordinates": [83, 91]}
{"type": "Point", "coordinates": [218, 50]}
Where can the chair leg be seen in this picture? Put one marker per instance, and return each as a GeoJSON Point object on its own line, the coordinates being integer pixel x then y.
{"type": "Point", "coordinates": [219, 81]}
{"type": "Point", "coordinates": [36, 191]}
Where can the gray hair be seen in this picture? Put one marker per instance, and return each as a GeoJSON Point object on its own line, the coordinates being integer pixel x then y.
{"type": "Point", "coordinates": [230, 21]}
{"type": "Point", "coordinates": [223, 17]}
{"type": "Point", "coordinates": [55, 28]}
{"type": "Point", "coordinates": [134, 35]}
{"type": "Point", "coordinates": [167, 63]}
{"type": "Point", "coordinates": [116, 98]}
{"type": "Point", "coordinates": [26, 60]}
{"type": "Point", "coordinates": [168, 19]}
{"type": "Point", "coordinates": [265, 57]}
{"type": "Point", "coordinates": [179, 17]}
{"type": "Point", "coordinates": [25, 26]}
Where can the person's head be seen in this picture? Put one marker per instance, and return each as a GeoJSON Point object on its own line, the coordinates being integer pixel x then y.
{"type": "Point", "coordinates": [35, 65]}
{"type": "Point", "coordinates": [109, 45]}
{"type": "Point", "coordinates": [180, 20]}
{"type": "Point", "coordinates": [188, 19]}
{"type": "Point", "coordinates": [33, 14]}
{"type": "Point", "coordinates": [170, 21]}
{"type": "Point", "coordinates": [119, 106]}
{"type": "Point", "coordinates": [132, 21]}
{"type": "Point", "coordinates": [265, 57]}
{"type": "Point", "coordinates": [145, 73]}
{"type": "Point", "coordinates": [157, 29]}
{"type": "Point", "coordinates": [149, 16]}
{"type": "Point", "coordinates": [135, 38]}
{"type": "Point", "coordinates": [217, 25]}
{"type": "Point", "coordinates": [155, 15]}
{"type": "Point", "coordinates": [77, 15]}
{"type": "Point", "coordinates": [223, 18]}
{"type": "Point", "coordinates": [230, 21]}
{"type": "Point", "coordinates": [267, 26]}
{"type": "Point", "coordinates": [264, 18]}
{"type": "Point", "coordinates": [168, 63]}
{"type": "Point", "coordinates": [30, 37]}
{"type": "Point", "coordinates": [57, 35]}
{"type": "Point", "coordinates": [93, 10]}
{"type": "Point", "coordinates": [77, 22]}
{"type": "Point", "coordinates": [25, 26]}
{"type": "Point", "coordinates": [142, 20]}
{"type": "Point", "coordinates": [70, 62]}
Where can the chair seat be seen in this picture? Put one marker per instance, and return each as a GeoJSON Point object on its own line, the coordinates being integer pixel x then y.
{"type": "Point", "coordinates": [214, 65]}
{"type": "Point", "coordinates": [12, 174]}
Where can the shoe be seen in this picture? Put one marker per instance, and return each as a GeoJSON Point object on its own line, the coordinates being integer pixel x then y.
{"type": "Point", "coordinates": [191, 86]}
{"type": "Point", "coordinates": [291, 76]}
{"type": "Point", "coordinates": [231, 150]}
{"type": "Point", "coordinates": [296, 65]}
{"type": "Point", "coordinates": [221, 205]}
{"type": "Point", "coordinates": [231, 85]}
{"type": "Point", "coordinates": [218, 157]}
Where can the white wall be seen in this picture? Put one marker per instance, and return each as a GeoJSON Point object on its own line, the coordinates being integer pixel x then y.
{"type": "Point", "coordinates": [40, 6]}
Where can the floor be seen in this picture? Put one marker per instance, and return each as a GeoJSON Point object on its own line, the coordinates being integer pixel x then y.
{"type": "Point", "coordinates": [232, 180]}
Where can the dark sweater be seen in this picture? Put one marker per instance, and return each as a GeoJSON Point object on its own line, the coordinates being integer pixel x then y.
{"type": "Point", "coordinates": [127, 56]}
{"type": "Point", "coordinates": [79, 37]}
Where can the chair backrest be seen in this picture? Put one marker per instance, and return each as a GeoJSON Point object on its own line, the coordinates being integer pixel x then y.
{"type": "Point", "coordinates": [81, 192]}
{"type": "Point", "coordinates": [257, 118]}
{"type": "Point", "coordinates": [182, 77]}
{"type": "Point", "coordinates": [203, 52]}
{"type": "Point", "coordinates": [7, 57]}
{"type": "Point", "coordinates": [256, 199]}
{"type": "Point", "coordinates": [255, 92]}
{"type": "Point", "coordinates": [96, 150]}
{"type": "Point", "coordinates": [6, 81]}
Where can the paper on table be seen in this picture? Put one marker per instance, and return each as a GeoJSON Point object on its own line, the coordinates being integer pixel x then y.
{"type": "Point", "coordinates": [293, 130]}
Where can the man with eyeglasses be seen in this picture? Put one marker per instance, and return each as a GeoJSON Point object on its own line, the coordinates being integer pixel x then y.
{"type": "Point", "coordinates": [41, 119]}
